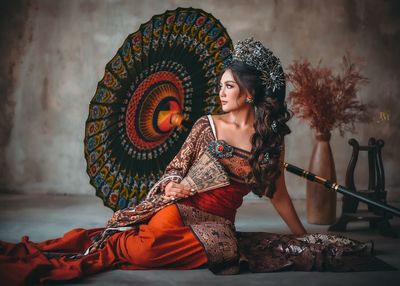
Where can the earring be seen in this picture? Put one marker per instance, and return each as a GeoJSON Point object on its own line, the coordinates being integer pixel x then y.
{"type": "Point", "coordinates": [249, 99]}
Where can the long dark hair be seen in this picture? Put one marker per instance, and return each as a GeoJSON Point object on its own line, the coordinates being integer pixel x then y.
{"type": "Point", "coordinates": [269, 106]}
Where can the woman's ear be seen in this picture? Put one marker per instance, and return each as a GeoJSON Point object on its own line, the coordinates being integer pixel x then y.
{"type": "Point", "coordinates": [249, 93]}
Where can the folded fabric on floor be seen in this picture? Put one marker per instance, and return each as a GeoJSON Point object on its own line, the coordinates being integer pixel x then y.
{"type": "Point", "coordinates": [268, 252]}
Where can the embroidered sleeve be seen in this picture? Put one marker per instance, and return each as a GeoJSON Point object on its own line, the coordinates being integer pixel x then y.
{"type": "Point", "coordinates": [188, 152]}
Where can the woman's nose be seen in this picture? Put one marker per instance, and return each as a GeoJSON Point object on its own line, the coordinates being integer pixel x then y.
{"type": "Point", "coordinates": [221, 91]}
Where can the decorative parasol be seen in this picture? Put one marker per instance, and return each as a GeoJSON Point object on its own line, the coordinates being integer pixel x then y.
{"type": "Point", "coordinates": [161, 80]}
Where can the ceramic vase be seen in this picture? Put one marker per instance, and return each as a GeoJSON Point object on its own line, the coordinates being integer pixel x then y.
{"type": "Point", "coordinates": [321, 201]}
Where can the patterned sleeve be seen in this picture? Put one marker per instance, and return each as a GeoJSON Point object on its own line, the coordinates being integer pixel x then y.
{"type": "Point", "coordinates": [188, 153]}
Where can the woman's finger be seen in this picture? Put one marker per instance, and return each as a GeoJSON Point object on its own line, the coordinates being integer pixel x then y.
{"type": "Point", "coordinates": [176, 190]}
{"type": "Point", "coordinates": [178, 193]}
{"type": "Point", "coordinates": [179, 189]}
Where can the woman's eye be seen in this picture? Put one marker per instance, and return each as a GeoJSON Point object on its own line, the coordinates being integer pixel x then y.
{"type": "Point", "coordinates": [229, 86]}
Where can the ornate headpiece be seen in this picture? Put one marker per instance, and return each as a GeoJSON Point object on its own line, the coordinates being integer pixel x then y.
{"type": "Point", "coordinates": [256, 55]}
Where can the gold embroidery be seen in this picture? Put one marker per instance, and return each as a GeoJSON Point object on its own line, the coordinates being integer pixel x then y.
{"type": "Point", "coordinates": [216, 233]}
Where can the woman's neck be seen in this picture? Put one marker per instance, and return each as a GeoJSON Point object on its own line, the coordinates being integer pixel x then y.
{"type": "Point", "coordinates": [242, 118]}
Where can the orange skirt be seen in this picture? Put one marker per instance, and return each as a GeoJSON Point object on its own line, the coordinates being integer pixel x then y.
{"type": "Point", "coordinates": [163, 243]}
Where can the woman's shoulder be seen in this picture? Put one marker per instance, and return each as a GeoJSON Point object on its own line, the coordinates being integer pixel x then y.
{"type": "Point", "coordinates": [201, 132]}
{"type": "Point", "coordinates": [201, 123]}
{"type": "Point", "coordinates": [201, 120]}
{"type": "Point", "coordinates": [219, 117]}
{"type": "Point", "coordinates": [214, 117]}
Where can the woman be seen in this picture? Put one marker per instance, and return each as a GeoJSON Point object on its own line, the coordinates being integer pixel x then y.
{"type": "Point", "coordinates": [253, 124]}
{"type": "Point", "coordinates": [183, 229]}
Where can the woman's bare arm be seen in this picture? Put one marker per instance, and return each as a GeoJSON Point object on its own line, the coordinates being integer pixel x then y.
{"type": "Point", "coordinates": [284, 206]}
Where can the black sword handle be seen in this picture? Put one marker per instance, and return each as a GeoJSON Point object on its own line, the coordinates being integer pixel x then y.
{"type": "Point", "coordinates": [336, 187]}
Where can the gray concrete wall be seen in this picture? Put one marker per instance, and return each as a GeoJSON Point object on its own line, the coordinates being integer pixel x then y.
{"type": "Point", "coordinates": [54, 53]}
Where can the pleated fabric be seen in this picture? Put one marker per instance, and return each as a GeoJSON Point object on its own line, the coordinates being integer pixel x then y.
{"type": "Point", "coordinates": [162, 243]}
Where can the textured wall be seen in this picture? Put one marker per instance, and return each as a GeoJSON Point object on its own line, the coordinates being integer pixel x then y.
{"type": "Point", "coordinates": [54, 53]}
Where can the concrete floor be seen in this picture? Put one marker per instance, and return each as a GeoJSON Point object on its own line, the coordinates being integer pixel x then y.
{"type": "Point", "coordinates": [44, 217]}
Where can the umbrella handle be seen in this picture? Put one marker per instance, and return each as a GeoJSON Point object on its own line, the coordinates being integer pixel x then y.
{"type": "Point", "coordinates": [176, 119]}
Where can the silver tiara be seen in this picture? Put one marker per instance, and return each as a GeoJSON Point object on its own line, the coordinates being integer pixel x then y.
{"type": "Point", "coordinates": [256, 55]}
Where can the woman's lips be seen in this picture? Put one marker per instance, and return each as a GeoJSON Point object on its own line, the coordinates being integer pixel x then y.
{"type": "Point", "coordinates": [223, 102]}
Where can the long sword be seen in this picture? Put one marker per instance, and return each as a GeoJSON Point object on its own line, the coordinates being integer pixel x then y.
{"type": "Point", "coordinates": [336, 187]}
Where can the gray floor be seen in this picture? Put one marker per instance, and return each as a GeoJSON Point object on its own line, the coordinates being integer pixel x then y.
{"type": "Point", "coordinates": [44, 217]}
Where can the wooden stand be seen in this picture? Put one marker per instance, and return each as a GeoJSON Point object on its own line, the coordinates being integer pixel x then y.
{"type": "Point", "coordinates": [376, 190]}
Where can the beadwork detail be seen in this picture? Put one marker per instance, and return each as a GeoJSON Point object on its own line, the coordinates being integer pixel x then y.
{"type": "Point", "coordinates": [254, 54]}
{"type": "Point", "coordinates": [220, 149]}
{"type": "Point", "coordinates": [266, 158]}
{"type": "Point", "coordinates": [274, 126]}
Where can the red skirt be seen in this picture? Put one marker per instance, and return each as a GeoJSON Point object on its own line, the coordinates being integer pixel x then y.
{"type": "Point", "coordinates": [163, 243]}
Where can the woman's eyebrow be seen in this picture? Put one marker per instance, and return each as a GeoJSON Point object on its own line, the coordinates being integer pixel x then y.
{"type": "Point", "coordinates": [231, 81]}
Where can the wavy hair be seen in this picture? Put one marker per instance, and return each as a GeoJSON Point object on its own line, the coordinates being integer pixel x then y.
{"type": "Point", "coordinates": [269, 106]}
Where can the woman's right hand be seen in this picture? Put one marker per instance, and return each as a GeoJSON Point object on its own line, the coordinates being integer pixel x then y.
{"type": "Point", "coordinates": [175, 190]}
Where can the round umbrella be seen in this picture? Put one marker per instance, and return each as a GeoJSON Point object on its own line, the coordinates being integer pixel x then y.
{"type": "Point", "coordinates": [161, 80]}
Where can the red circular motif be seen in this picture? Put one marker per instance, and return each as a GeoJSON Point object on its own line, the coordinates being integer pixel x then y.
{"type": "Point", "coordinates": [139, 92]}
{"type": "Point", "coordinates": [220, 148]}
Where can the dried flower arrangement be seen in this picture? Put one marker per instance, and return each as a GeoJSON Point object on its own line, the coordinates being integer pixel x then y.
{"type": "Point", "coordinates": [326, 100]}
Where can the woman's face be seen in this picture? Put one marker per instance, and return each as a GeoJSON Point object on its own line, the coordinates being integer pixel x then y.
{"type": "Point", "coordinates": [229, 93]}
